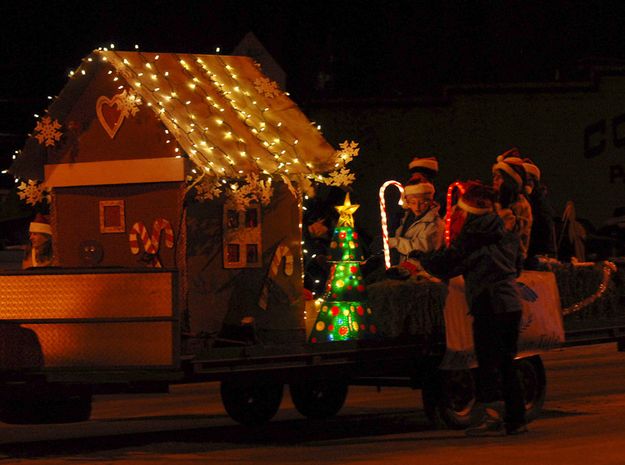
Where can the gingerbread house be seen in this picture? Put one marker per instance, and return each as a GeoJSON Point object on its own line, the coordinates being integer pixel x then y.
{"type": "Point", "coordinates": [196, 163]}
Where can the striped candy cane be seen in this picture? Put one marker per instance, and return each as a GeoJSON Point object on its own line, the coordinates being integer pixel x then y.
{"type": "Point", "coordinates": [151, 245]}
{"type": "Point", "coordinates": [450, 191]}
{"type": "Point", "coordinates": [387, 252]}
{"type": "Point", "coordinates": [282, 251]}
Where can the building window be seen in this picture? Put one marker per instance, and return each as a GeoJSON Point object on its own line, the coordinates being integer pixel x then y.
{"type": "Point", "coordinates": [112, 217]}
{"type": "Point", "coordinates": [242, 237]}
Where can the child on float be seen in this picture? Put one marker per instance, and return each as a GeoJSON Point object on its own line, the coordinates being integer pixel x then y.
{"type": "Point", "coordinates": [488, 257]}
{"type": "Point", "coordinates": [421, 228]}
{"type": "Point", "coordinates": [38, 253]}
{"type": "Point", "coordinates": [543, 234]}
{"type": "Point", "coordinates": [509, 180]}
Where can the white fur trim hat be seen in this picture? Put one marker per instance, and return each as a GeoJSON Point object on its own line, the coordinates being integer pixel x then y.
{"type": "Point", "coordinates": [531, 168]}
{"type": "Point", "coordinates": [40, 224]}
{"type": "Point", "coordinates": [477, 199]}
{"type": "Point", "coordinates": [430, 163]}
{"type": "Point", "coordinates": [510, 162]}
{"type": "Point", "coordinates": [422, 188]}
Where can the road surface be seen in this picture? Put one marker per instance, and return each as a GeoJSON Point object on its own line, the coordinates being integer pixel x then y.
{"type": "Point", "coordinates": [583, 423]}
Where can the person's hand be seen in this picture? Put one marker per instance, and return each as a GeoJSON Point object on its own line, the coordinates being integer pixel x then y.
{"type": "Point", "coordinates": [318, 228]}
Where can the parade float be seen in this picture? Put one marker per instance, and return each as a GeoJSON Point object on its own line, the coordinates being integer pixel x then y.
{"type": "Point", "coordinates": [175, 185]}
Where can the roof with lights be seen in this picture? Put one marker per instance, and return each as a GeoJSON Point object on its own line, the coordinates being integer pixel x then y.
{"type": "Point", "coordinates": [224, 113]}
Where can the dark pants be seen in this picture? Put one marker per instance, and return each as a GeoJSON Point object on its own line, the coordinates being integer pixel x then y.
{"type": "Point", "coordinates": [495, 338]}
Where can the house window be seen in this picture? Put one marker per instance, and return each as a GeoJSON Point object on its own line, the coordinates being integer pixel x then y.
{"type": "Point", "coordinates": [112, 217]}
{"type": "Point", "coordinates": [242, 237]}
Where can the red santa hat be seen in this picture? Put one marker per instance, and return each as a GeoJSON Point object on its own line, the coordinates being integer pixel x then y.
{"type": "Point", "coordinates": [41, 224]}
{"type": "Point", "coordinates": [531, 168]}
{"type": "Point", "coordinates": [478, 198]}
{"type": "Point", "coordinates": [423, 188]}
{"type": "Point", "coordinates": [511, 163]}
{"type": "Point", "coordinates": [428, 163]}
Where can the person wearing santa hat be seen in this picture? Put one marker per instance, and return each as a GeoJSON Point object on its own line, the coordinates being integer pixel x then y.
{"type": "Point", "coordinates": [543, 234]}
{"type": "Point", "coordinates": [423, 169]}
{"type": "Point", "coordinates": [39, 251]}
{"type": "Point", "coordinates": [489, 258]}
{"type": "Point", "coordinates": [421, 228]}
{"type": "Point", "coordinates": [509, 181]}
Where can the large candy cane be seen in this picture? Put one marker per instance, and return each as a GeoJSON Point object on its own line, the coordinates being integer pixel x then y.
{"type": "Point", "coordinates": [387, 252]}
{"type": "Point", "coordinates": [282, 251]}
{"type": "Point", "coordinates": [151, 245]}
{"type": "Point", "coordinates": [450, 192]}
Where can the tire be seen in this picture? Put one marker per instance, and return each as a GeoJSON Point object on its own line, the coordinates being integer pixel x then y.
{"type": "Point", "coordinates": [449, 398]}
{"type": "Point", "coordinates": [319, 399]}
{"type": "Point", "coordinates": [251, 405]}
{"type": "Point", "coordinates": [45, 403]}
{"type": "Point", "coordinates": [534, 383]}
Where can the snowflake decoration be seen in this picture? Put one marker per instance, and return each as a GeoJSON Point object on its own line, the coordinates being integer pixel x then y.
{"type": "Point", "coordinates": [267, 87]}
{"type": "Point", "coordinates": [33, 192]}
{"type": "Point", "coordinates": [207, 191]}
{"type": "Point", "coordinates": [349, 151]}
{"type": "Point", "coordinates": [48, 131]}
{"type": "Point", "coordinates": [254, 190]}
{"type": "Point", "coordinates": [342, 177]}
{"type": "Point", "coordinates": [128, 103]}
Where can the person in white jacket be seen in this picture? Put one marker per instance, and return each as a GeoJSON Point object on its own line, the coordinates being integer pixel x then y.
{"type": "Point", "coordinates": [421, 227]}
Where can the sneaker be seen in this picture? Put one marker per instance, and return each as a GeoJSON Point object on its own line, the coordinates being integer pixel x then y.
{"type": "Point", "coordinates": [488, 427]}
{"type": "Point", "coordinates": [513, 430]}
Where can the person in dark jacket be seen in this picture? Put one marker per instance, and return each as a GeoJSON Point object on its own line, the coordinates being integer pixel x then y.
{"type": "Point", "coordinates": [489, 258]}
{"type": "Point", "coordinates": [543, 234]}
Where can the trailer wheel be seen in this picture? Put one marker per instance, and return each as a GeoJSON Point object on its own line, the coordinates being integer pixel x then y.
{"type": "Point", "coordinates": [534, 383]}
{"type": "Point", "coordinates": [449, 398]}
{"type": "Point", "coordinates": [251, 405]}
{"type": "Point", "coordinates": [318, 398]}
{"type": "Point", "coordinates": [46, 403]}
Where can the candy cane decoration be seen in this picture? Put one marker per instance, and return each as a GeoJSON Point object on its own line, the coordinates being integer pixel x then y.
{"type": "Point", "coordinates": [151, 245]}
{"type": "Point", "coordinates": [450, 191]}
{"type": "Point", "coordinates": [387, 252]}
{"type": "Point", "coordinates": [282, 251]}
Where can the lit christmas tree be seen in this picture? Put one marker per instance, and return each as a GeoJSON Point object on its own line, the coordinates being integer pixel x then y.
{"type": "Point", "coordinates": [343, 313]}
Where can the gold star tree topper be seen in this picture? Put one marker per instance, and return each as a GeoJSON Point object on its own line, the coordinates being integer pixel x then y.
{"type": "Point", "coordinates": [346, 212]}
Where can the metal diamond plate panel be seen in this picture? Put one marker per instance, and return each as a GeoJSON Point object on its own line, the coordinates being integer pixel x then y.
{"type": "Point", "coordinates": [104, 295]}
{"type": "Point", "coordinates": [105, 344]}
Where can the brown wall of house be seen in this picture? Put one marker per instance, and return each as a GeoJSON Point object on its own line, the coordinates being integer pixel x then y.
{"type": "Point", "coordinates": [139, 136]}
{"type": "Point", "coordinates": [76, 218]}
{"type": "Point", "coordinates": [220, 298]}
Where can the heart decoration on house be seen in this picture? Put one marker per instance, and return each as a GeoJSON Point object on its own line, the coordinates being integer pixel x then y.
{"type": "Point", "coordinates": [109, 115]}
{"type": "Point", "coordinates": [113, 111]}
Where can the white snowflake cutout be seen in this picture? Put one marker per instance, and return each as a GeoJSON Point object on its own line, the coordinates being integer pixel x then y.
{"type": "Point", "coordinates": [267, 87]}
{"type": "Point", "coordinates": [48, 131]}
{"type": "Point", "coordinates": [205, 190]}
{"type": "Point", "coordinates": [128, 103]}
{"type": "Point", "coordinates": [33, 192]}
{"type": "Point", "coordinates": [349, 151]}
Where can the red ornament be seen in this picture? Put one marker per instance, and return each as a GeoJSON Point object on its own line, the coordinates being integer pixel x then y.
{"type": "Point", "coordinates": [342, 235]}
{"type": "Point", "coordinates": [360, 288]}
{"type": "Point", "coordinates": [360, 310]}
{"type": "Point", "coordinates": [355, 235]}
{"type": "Point", "coordinates": [343, 330]}
{"type": "Point", "coordinates": [313, 339]}
{"type": "Point", "coordinates": [330, 328]}
{"type": "Point", "coordinates": [335, 310]}
{"type": "Point", "coordinates": [353, 269]}
{"type": "Point", "coordinates": [373, 329]}
{"type": "Point", "coordinates": [362, 326]}
{"type": "Point", "coordinates": [349, 288]}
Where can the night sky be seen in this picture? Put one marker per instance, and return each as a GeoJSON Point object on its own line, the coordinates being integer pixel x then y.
{"type": "Point", "coordinates": [392, 49]}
